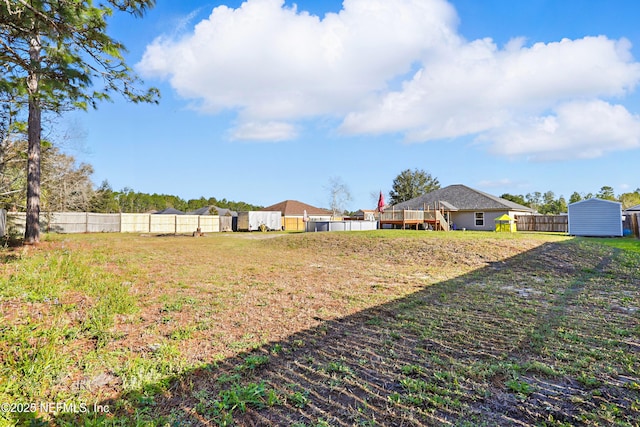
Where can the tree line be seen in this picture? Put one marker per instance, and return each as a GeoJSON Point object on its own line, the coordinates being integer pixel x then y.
{"type": "Point", "coordinates": [66, 186]}
{"type": "Point", "coordinates": [548, 204]}
{"type": "Point", "coordinates": [106, 200]}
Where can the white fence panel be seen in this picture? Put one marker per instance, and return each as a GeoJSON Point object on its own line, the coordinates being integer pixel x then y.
{"type": "Point", "coordinates": [341, 225]}
{"type": "Point", "coordinates": [162, 224]}
{"type": "Point", "coordinates": [361, 225]}
{"type": "Point", "coordinates": [86, 222]}
{"type": "Point", "coordinates": [103, 223]}
{"type": "Point", "coordinates": [210, 224]}
{"type": "Point", "coordinates": [65, 222]}
{"type": "Point", "coordinates": [186, 223]}
{"type": "Point", "coordinates": [134, 223]}
{"type": "Point", "coordinates": [16, 222]}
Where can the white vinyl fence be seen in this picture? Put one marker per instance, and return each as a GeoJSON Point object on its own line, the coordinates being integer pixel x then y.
{"type": "Point", "coordinates": [136, 223]}
{"type": "Point", "coordinates": [341, 225]}
{"type": "Point", "coordinates": [88, 222]}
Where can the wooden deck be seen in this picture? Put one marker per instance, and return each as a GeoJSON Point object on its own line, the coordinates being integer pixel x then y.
{"type": "Point", "coordinates": [413, 219]}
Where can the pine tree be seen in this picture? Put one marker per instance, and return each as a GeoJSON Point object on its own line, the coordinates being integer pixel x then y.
{"type": "Point", "coordinates": [53, 53]}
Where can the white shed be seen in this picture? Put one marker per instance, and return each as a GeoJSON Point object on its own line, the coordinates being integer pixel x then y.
{"type": "Point", "coordinates": [595, 217]}
{"type": "Point", "coordinates": [252, 220]}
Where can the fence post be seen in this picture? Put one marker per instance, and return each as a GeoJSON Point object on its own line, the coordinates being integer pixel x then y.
{"type": "Point", "coordinates": [3, 222]}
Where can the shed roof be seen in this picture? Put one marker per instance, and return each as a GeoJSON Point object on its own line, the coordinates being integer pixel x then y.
{"type": "Point", "coordinates": [463, 198]}
{"type": "Point", "coordinates": [296, 208]}
{"type": "Point", "coordinates": [635, 208]}
{"type": "Point", "coordinates": [595, 200]}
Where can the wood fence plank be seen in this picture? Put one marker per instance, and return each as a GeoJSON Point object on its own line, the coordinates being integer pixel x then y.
{"type": "Point", "coordinates": [547, 223]}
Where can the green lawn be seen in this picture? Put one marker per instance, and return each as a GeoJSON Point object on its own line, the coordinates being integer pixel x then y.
{"type": "Point", "coordinates": [628, 243]}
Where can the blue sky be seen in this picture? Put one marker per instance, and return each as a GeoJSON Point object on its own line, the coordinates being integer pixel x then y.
{"type": "Point", "coordinates": [265, 100]}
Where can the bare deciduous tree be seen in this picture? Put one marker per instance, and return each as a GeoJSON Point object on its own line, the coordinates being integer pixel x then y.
{"type": "Point", "coordinates": [66, 185]}
{"type": "Point", "coordinates": [339, 195]}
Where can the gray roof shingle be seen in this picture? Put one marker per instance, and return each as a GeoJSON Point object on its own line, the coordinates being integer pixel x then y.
{"type": "Point", "coordinates": [206, 210]}
{"type": "Point", "coordinates": [169, 211]}
{"type": "Point", "coordinates": [463, 198]}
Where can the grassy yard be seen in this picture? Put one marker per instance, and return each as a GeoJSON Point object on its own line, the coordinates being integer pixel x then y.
{"type": "Point", "coordinates": [321, 329]}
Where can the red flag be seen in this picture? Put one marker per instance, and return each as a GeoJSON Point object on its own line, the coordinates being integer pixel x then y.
{"type": "Point", "coordinates": [381, 203]}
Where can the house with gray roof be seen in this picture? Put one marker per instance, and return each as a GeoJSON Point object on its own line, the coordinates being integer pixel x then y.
{"type": "Point", "coordinates": [213, 210]}
{"type": "Point", "coordinates": [169, 211]}
{"type": "Point", "coordinates": [633, 209]}
{"type": "Point", "coordinates": [465, 207]}
{"type": "Point", "coordinates": [228, 218]}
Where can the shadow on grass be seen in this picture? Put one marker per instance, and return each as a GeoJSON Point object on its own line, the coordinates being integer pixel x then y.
{"type": "Point", "coordinates": [548, 337]}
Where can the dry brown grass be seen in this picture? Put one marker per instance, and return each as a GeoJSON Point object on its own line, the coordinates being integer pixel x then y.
{"type": "Point", "coordinates": [240, 285]}
{"type": "Point", "coordinates": [408, 328]}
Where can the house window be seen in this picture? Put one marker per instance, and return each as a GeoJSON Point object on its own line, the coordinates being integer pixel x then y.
{"type": "Point", "coordinates": [479, 219]}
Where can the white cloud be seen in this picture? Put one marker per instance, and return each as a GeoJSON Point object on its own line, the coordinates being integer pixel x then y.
{"type": "Point", "coordinates": [270, 62]}
{"type": "Point", "coordinates": [276, 66]}
{"type": "Point", "coordinates": [580, 129]}
{"type": "Point", "coordinates": [264, 131]}
{"type": "Point", "coordinates": [479, 88]}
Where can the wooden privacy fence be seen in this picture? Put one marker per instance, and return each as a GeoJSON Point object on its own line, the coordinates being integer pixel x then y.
{"type": "Point", "coordinates": [551, 223]}
{"type": "Point", "coordinates": [293, 223]}
{"type": "Point", "coordinates": [632, 223]}
{"type": "Point", "coordinates": [88, 222]}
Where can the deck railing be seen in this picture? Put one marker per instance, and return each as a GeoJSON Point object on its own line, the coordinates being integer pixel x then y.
{"type": "Point", "coordinates": [431, 215]}
{"type": "Point", "coordinates": [414, 217]}
{"type": "Point", "coordinates": [402, 215]}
